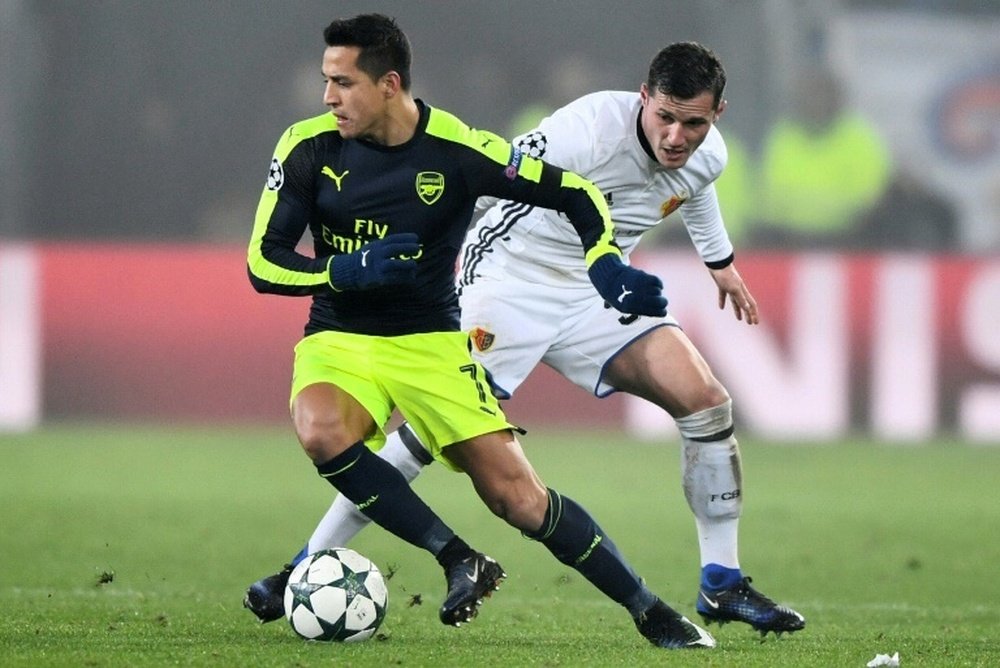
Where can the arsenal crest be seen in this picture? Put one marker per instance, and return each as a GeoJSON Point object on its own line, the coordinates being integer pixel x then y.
{"type": "Point", "coordinates": [430, 186]}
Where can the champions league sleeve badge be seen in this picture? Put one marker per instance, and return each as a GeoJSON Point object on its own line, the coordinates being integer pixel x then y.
{"type": "Point", "coordinates": [275, 175]}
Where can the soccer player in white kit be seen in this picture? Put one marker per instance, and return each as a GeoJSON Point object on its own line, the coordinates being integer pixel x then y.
{"type": "Point", "coordinates": [526, 297]}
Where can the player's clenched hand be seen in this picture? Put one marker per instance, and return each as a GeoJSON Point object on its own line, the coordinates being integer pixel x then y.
{"type": "Point", "coordinates": [386, 261]}
{"type": "Point", "coordinates": [626, 288]}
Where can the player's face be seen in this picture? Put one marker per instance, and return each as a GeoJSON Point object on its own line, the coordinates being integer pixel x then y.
{"type": "Point", "coordinates": [675, 128]}
{"type": "Point", "coordinates": [358, 102]}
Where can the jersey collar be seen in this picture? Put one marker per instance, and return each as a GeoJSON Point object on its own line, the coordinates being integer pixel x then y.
{"type": "Point", "coordinates": [643, 142]}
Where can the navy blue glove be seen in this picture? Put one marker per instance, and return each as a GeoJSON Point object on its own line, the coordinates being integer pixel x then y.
{"type": "Point", "coordinates": [626, 288]}
{"type": "Point", "coordinates": [376, 263]}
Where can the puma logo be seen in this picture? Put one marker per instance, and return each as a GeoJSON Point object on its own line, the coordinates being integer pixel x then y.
{"type": "Point", "coordinates": [625, 293]}
{"type": "Point", "coordinates": [333, 175]}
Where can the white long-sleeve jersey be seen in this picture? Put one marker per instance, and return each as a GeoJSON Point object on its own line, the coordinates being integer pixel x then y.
{"type": "Point", "coordinates": [598, 136]}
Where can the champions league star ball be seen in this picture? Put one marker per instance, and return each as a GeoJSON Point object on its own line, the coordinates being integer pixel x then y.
{"type": "Point", "coordinates": [532, 144]}
{"type": "Point", "coordinates": [336, 595]}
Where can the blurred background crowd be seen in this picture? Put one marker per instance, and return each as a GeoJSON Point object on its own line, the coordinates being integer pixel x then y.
{"type": "Point", "coordinates": [852, 124]}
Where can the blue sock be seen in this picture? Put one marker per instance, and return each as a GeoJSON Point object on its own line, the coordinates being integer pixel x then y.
{"type": "Point", "coordinates": [715, 577]}
{"type": "Point", "coordinates": [575, 539]}
{"type": "Point", "coordinates": [381, 492]}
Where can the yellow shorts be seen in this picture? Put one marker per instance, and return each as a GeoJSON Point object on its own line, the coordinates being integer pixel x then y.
{"type": "Point", "coordinates": [431, 378]}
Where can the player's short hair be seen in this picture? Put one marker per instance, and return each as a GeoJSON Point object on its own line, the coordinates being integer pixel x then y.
{"type": "Point", "coordinates": [685, 70]}
{"type": "Point", "coordinates": [384, 47]}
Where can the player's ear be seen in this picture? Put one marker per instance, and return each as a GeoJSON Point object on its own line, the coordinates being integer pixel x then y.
{"type": "Point", "coordinates": [721, 108]}
{"type": "Point", "coordinates": [390, 83]}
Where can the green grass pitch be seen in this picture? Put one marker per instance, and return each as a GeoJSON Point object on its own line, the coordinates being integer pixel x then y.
{"type": "Point", "coordinates": [131, 545]}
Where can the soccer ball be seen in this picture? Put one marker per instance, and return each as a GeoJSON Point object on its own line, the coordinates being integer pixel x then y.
{"type": "Point", "coordinates": [336, 595]}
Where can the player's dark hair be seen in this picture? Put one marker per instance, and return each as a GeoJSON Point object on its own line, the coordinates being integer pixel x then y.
{"type": "Point", "coordinates": [383, 45]}
{"type": "Point", "coordinates": [685, 70]}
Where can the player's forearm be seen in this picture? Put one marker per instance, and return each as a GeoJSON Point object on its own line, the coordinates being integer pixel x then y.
{"type": "Point", "coordinates": [587, 211]}
{"type": "Point", "coordinates": [275, 269]}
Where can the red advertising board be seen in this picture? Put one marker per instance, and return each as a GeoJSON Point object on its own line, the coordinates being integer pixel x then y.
{"type": "Point", "coordinates": [904, 347]}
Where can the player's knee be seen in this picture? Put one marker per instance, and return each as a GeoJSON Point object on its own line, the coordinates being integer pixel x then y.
{"type": "Point", "coordinates": [707, 397]}
{"type": "Point", "coordinates": [321, 438]}
{"type": "Point", "coordinates": [316, 447]}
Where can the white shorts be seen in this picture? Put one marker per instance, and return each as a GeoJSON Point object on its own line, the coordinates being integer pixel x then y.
{"type": "Point", "coordinates": [516, 323]}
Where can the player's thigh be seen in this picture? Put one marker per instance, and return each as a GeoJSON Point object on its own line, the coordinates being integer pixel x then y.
{"type": "Point", "coordinates": [442, 392]}
{"type": "Point", "coordinates": [591, 337]}
{"type": "Point", "coordinates": [511, 324]}
{"type": "Point", "coordinates": [665, 367]}
{"type": "Point", "coordinates": [333, 384]}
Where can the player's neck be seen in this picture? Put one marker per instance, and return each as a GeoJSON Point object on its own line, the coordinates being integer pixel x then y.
{"type": "Point", "coordinates": [400, 122]}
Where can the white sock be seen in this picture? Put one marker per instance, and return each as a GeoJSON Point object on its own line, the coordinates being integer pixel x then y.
{"type": "Point", "coordinates": [343, 520]}
{"type": "Point", "coordinates": [712, 477]}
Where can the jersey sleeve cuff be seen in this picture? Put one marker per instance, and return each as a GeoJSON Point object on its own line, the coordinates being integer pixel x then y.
{"type": "Point", "coordinates": [600, 251]}
{"type": "Point", "coordinates": [723, 263]}
{"type": "Point", "coordinates": [332, 274]}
